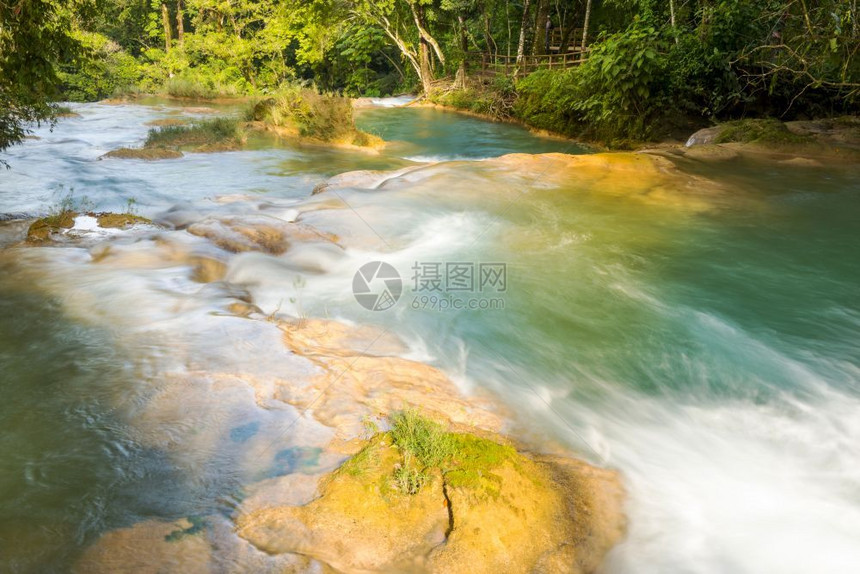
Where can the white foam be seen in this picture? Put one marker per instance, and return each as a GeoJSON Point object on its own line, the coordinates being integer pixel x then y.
{"type": "Point", "coordinates": [393, 102]}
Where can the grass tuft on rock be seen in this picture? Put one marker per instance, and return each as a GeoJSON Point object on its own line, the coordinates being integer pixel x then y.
{"type": "Point", "coordinates": [465, 460]}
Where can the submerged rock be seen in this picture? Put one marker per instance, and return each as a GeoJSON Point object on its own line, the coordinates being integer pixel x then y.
{"type": "Point", "coordinates": [703, 137]}
{"type": "Point", "coordinates": [144, 153]}
{"type": "Point", "coordinates": [372, 379]}
{"type": "Point", "coordinates": [265, 234]}
{"type": "Point", "coordinates": [192, 545]}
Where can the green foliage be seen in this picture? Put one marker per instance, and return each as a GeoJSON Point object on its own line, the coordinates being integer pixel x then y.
{"type": "Point", "coordinates": [108, 70]}
{"type": "Point", "coordinates": [35, 37]}
{"type": "Point", "coordinates": [721, 59]}
{"type": "Point", "coordinates": [618, 93]}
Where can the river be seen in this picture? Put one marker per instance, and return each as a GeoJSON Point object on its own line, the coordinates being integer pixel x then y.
{"type": "Point", "coordinates": [702, 340]}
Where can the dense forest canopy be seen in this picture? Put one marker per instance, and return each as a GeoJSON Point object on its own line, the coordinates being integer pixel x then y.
{"type": "Point", "coordinates": [702, 58]}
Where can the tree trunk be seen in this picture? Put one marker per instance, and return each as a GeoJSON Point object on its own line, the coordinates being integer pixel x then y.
{"type": "Point", "coordinates": [418, 16]}
{"type": "Point", "coordinates": [524, 24]}
{"type": "Point", "coordinates": [540, 43]}
{"type": "Point", "coordinates": [464, 48]}
{"type": "Point", "coordinates": [426, 72]}
{"type": "Point", "coordinates": [165, 20]}
{"type": "Point", "coordinates": [508, 16]}
{"type": "Point", "coordinates": [180, 23]}
{"type": "Point", "coordinates": [585, 24]}
{"type": "Point", "coordinates": [672, 19]}
{"type": "Point", "coordinates": [854, 26]}
{"type": "Point", "coordinates": [492, 47]}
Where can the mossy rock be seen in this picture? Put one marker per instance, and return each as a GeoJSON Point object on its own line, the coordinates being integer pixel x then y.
{"type": "Point", "coordinates": [763, 131]}
{"type": "Point", "coordinates": [144, 153]}
{"type": "Point", "coordinates": [42, 229]}
{"type": "Point", "coordinates": [479, 507]}
{"type": "Point", "coordinates": [163, 122]}
{"type": "Point", "coordinates": [119, 220]}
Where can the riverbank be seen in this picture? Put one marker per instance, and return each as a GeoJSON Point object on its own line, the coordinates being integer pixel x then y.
{"type": "Point", "coordinates": [828, 140]}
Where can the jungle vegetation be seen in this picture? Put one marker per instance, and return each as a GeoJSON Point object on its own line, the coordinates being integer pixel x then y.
{"type": "Point", "coordinates": [649, 62]}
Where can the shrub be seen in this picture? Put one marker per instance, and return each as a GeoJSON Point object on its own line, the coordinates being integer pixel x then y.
{"type": "Point", "coordinates": [323, 116]}
{"type": "Point", "coordinates": [217, 131]}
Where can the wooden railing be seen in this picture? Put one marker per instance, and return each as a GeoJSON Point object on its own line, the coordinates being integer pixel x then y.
{"type": "Point", "coordinates": [574, 41]}
{"type": "Point", "coordinates": [491, 64]}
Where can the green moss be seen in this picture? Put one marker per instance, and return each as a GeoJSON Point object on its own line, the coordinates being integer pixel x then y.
{"type": "Point", "coordinates": [766, 131]}
{"type": "Point", "coordinates": [472, 461]}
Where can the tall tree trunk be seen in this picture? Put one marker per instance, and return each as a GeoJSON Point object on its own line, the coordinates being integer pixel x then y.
{"type": "Point", "coordinates": [464, 48]}
{"type": "Point", "coordinates": [508, 16]}
{"type": "Point", "coordinates": [806, 18]}
{"type": "Point", "coordinates": [492, 47]}
{"type": "Point", "coordinates": [165, 20]}
{"type": "Point", "coordinates": [421, 24]}
{"type": "Point", "coordinates": [672, 19]}
{"type": "Point", "coordinates": [180, 23]}
{"type": "Point", "coordinates": [426, 71]}
{"type": "Point", "coordinates": [854, 26]}
{"type": "Point", "coordinates": [540, 42]}
{"type": "Point", "coordinates": [524, 24]}
{"type": "Point", "coordinates": [585, 24]}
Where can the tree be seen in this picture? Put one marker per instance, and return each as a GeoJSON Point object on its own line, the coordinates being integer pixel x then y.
{"type": "Point", "coordinates": [405, 29]}
{"type": "Point", "coordinates": [35, 37]}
